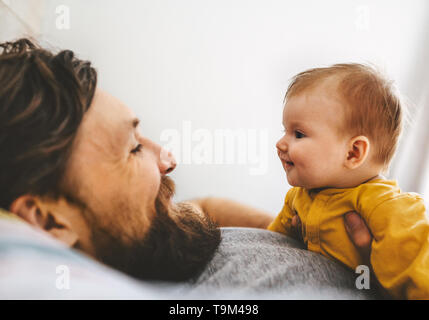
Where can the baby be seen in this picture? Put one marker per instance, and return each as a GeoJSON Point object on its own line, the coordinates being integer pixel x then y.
{"type": "Point", "coordinates": [342, 126]}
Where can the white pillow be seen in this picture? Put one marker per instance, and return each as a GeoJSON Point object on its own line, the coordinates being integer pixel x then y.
{"type": "Point", "coordinates": [33, 265]}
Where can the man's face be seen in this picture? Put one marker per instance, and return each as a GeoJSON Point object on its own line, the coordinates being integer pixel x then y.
{"type": "Point", "coordinates": [118, 178]}
{"type": "Point", "coordinates": [113, 168]}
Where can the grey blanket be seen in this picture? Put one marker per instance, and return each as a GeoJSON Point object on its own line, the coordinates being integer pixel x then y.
{"type": "Point", "coordinates": [254, 263]}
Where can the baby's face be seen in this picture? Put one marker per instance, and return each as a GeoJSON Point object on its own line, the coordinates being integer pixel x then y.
{"type": "Point", "coordinates": [312, 149]}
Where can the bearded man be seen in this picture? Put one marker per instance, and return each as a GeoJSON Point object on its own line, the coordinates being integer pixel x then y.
{"type": "Point", "coordinates": [75, 164]}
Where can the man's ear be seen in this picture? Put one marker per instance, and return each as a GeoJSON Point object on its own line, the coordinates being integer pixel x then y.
{"type": "Point", "coordinates": [357, 152]}
{"type": "Point", "coordinates": [45, 216]}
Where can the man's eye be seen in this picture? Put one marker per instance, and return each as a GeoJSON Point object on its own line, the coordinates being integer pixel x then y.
{"type": "Point", "coordinates": [137, 149]}
{"type": "Point", "coordinates": [299, 135]}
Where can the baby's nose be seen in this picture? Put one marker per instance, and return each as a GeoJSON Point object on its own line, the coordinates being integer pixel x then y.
{"type": "Point", "coordinates": [167, 162]}
{"type": "Point", "coordinates": [281, 145]}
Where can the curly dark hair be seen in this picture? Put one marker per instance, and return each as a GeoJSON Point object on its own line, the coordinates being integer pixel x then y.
{"type": "Point", "coordinates": [43, 98]}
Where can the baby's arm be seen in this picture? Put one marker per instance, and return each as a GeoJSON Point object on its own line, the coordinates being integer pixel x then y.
{"type": "Point", "coordinates": [400, 247]}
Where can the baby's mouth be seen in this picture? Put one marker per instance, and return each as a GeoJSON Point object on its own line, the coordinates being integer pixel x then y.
{"type": "Point", "coordinates": [285, 159]}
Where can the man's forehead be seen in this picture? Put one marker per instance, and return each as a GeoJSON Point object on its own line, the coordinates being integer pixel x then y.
{"type": "Point", "coordinates": [106, 109]}
{"type": "Point", "coordinates": [106, 128]}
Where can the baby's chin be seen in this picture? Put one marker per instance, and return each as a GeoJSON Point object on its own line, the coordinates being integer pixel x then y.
{"type": "Point", "coordinates": [294, 182]}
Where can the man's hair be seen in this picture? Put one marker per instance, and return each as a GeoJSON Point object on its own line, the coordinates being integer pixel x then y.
{"type": "Point", "coordinates": [43, 98]}
{"type": "Point", "coordinates": [371, 106]}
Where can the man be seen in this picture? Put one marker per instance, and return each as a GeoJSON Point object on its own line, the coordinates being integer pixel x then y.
{"type": "Point", "coordinates": [74, 164]}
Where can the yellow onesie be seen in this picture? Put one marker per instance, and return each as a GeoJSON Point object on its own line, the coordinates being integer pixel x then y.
{"type": "Point", "coordinates": [398, 223]}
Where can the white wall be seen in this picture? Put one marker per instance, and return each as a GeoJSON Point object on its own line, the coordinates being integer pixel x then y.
{"type": "Point", "coordinates": [21, 17]}
{"type": "Point", "coordinates": [226, 64]}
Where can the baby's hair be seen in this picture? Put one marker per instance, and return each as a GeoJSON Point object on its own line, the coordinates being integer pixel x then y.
{"type": "Point", "coordinates": [373, 107]}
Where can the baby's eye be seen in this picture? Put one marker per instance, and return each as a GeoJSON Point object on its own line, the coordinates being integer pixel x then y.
{"type": "Point", "coordinates": [299, 135]}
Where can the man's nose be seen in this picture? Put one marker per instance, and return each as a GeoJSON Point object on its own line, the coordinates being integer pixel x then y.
{"type": "Point", "coordinates": [167, 163]}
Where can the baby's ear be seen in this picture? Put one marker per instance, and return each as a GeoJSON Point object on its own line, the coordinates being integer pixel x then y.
{"type": "Point", "coordinates": [357, 152]}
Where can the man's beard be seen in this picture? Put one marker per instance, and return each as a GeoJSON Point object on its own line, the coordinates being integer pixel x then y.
{"type": "Point", "coordinates": [178, 245]}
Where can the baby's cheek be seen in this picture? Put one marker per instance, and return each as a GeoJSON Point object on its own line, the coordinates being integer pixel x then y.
{"type": "Point", "coordinates": [301, 155]}
{"type": "Point", "coordinates": [312, 163]}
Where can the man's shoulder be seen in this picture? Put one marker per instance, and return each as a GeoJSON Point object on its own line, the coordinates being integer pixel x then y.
{"type": "Point", "coordinates": [256, 238]}
{"type": "Point", "coordinates": [254, 260]}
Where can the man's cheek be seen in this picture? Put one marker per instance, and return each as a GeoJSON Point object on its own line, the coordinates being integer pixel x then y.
{"type": "Point", "coordinates": [148, 189]}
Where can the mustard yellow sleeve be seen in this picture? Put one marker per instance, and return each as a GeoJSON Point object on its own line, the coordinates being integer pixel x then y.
{"type": "Point", "coordinates": [400, 248]}
{"type": "Point", "coordinates": [283, 222]}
